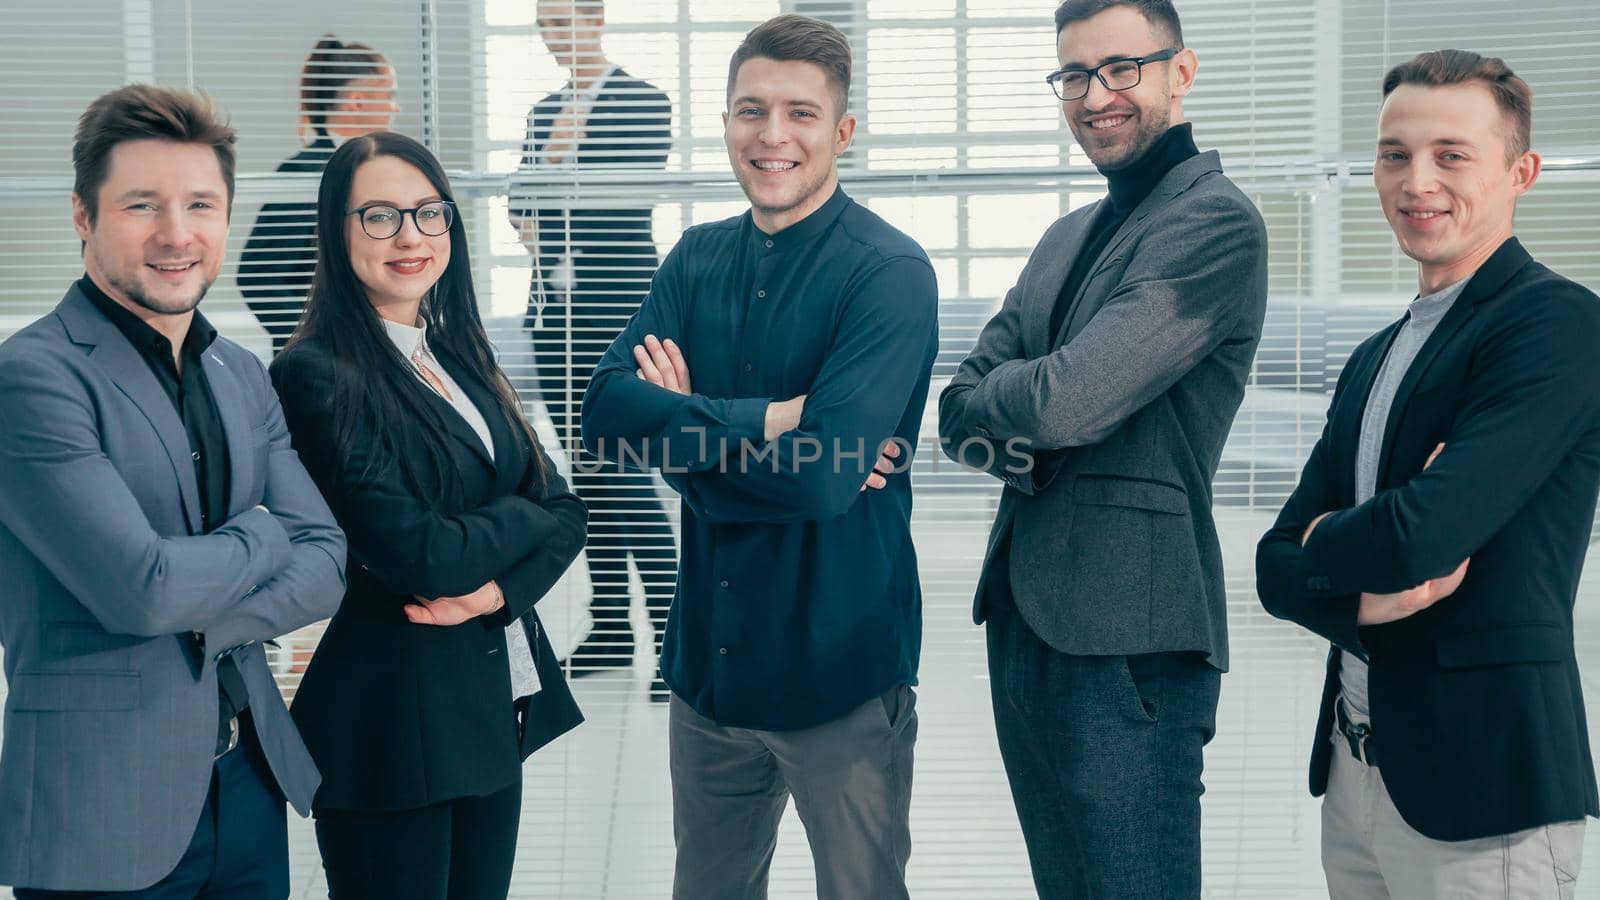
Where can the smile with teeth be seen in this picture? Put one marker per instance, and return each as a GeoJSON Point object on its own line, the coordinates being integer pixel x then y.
{"type": "Point", "coordinates": [773, 165]}
{"type": "Point", "coordinates": [1111, 122]}
{"type": "Point", "coordinates": [1423, 214]}
{"type": "Point", "coordinates": [172, 267]}
{"type": "Point", "coordinates": [408, 266]}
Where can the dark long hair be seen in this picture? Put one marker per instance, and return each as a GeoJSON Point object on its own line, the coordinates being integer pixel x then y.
{"type": "Point", "coordinates": [375, 391]}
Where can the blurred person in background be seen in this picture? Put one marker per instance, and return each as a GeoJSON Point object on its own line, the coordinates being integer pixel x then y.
{"type": "Point", "coordinates": [346, 90]}
{"type": "Point", "coordinates": [435, 680]}
{"type": "Point", "coordinates": [591, 268]}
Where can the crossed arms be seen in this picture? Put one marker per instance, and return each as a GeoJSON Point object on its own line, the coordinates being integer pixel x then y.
{"type": "Point", "coordinates": [263, 573]}
{"type": "Point", "coordinates": [881, 348]}
{"type": "Point", "coordinates": [1532, 385]}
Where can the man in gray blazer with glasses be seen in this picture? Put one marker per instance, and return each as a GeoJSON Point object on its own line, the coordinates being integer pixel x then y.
{"type": "Point", "coordinates": [1101, 394]}
{"type": "Point", "coordinates": [156, 529]}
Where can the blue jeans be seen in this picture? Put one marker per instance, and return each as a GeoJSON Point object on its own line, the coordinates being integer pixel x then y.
{"type": "Point", "coordinates": [1104, 755]}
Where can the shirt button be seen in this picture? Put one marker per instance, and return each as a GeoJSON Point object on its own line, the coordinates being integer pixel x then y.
{"type": "Point", "coordinates": [769, 244]}
{"type": "Point", "coordinates": [724, 584]}
{"type": "Point", "coordinates": [748, 367]}
{"type": "Point", "coordinates": [723, 650]}
{"type": "Point", "coordinates": [196, 455]}
{"type": "Point", "coordinates": [761, 294]}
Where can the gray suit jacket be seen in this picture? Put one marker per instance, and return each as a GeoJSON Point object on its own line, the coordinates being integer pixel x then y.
{"type": "Point", "coordinates": [1108, 434]}
{"type": "Point", "coordinates": [111, 718]}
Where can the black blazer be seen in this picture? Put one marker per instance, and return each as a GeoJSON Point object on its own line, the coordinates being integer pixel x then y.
{"type": "Point", "coordinates": [280, 255]}
{"type": "Point", "coordinates": [629, 127]}
{"type": "Point", "coordinates": [1477, 711]}
{"type": "Point", "coordinates": [396, 715]}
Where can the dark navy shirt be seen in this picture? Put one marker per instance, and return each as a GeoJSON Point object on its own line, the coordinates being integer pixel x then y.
{"type": "Point", "coordinates": [798, 598]}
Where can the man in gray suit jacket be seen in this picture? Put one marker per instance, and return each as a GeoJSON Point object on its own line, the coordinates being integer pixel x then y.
{"type": "Point", "coordinates": [1101, 394]}
{"type": "Point", "coordinates": [155, 528]}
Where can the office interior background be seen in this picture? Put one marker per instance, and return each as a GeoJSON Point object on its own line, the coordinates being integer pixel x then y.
{"type": "Point", "coordinates": [962, 145]}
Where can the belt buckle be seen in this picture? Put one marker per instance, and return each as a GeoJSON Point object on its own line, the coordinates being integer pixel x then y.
{"type": "Point", "coordinates": [1359, 745]}
{"type": "Point", "coordinates": [233, 738]}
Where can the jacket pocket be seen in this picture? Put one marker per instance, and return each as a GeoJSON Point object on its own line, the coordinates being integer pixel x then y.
{"type": "Point", "coordinates": [1110, 490]}
{"type": "Point", "coordinates": [1507, 645]}
{"type": "Point", "coordinates": [75, 691]}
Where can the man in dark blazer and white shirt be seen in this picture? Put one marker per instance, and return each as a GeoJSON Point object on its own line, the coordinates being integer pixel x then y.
{"type": "Point", "coordinates": [156, 529]}
{"type": "Point", "coordinates": [1438, 531]}
{"type": "Point", "coordinates": [1101, 394]}
{"type": "Point", "coordinates": [591, 269]}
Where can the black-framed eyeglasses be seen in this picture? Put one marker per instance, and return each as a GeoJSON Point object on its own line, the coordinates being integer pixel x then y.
{"type": "Point", "coordinates": [382, 222]}
{"type": "Point", "coordinates": [1116, 74]}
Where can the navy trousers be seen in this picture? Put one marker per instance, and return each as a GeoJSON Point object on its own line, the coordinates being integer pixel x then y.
{"type": "Point", "coordinates": [240, 848]}
{"type": "Point", "coordinates": [1104, 755]}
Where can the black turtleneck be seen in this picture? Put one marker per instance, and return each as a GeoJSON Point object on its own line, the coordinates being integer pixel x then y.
{"type": "Point", "coordinates": [1129, 186]}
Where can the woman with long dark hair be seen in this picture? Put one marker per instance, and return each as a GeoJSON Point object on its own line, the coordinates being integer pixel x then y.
{"type": "Point", "coordinates": [347, 89]}
{"type": "Point", "coordinates": [435, 680]}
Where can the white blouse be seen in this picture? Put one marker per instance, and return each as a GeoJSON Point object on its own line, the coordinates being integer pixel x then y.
{"type": "Point", "coordinates": [412, 345]}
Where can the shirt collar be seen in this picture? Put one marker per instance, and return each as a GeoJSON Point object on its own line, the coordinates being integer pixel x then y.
{"type": "Point", "coordinates": [803, 231]}
{"type": "Point", "coordinates": [1435, 304]}
{"type": "Point", "coordinates": [139, 333]}
{"type": "Point", "coordinates": [406, 338]}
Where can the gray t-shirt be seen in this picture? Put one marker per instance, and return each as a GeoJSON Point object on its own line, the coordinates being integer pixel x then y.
{"type": "Point", "coordinates": [1423, 317]}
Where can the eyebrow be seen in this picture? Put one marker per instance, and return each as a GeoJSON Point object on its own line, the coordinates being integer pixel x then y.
{"type": "Point", "coordinates": [145, 194]}
{"type": "Point", "coordinates": [757, 101]}
{"type": "Point", "coordinates": [1105, 59]}
{"type": "Point", "coordinates": [1439, 142]}
{"type": "Point", "coordinates": [431, 198]}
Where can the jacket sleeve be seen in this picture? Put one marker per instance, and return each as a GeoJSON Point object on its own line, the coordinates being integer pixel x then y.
{"type": "Point", "coordinates": [532, 576]}
{"type": "Point", "coordinates": [960, 437]}
{"type": "Point", "coordinates": [410, 547]}
{"type": "Point", "coordinates": [310, 587]}
{"type": "Point", "coordinates": [1286, 586]}
{"type": "Point", "coordinates": [1174, 306]}
{"type": "Point", "coordinates": [1533, 392]}
{"type": "Point", "coordinates": [71, 507]}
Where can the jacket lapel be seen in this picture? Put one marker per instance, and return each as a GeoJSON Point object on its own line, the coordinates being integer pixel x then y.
{"type": "Point", "coordinates": [503, 464]}
{"type": "Point", "coordinates": [1180, 179]}
{"type": "Point", "coordinates": [229, 395]}
{"type": "Point", "coordinates": [126, 369]}
{"type": "Point", "coordinates": [1044, 287]}
{"type": "Point", "coordinates": [1345, 427]}
{"type": "Point", "coordinates": [1485, 283]}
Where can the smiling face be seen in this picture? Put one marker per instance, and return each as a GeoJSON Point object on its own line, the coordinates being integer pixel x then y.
{"type": "Point", "coordinates": [1115, 128]}
{"type": "Point", "coordinates": [157, 239]}
{"type": "Point", "coordinates": [1444, 178]}
{"type": "Point", "coordinates": [784, 136]}
{"type": "Point", "coordinates": [397, 272]}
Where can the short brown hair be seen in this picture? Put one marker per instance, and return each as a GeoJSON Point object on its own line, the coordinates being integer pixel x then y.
{"type": "Point", "coordinates": [1161, 15]}
{"type": "Point", "coordinates": [140, 112]}
{"type": "Point", "coordinates": [1437, 68]}
{"type": "Point", "coordinates": [332, 65]}
{"type": "Point", "coordinates": [803, 39]}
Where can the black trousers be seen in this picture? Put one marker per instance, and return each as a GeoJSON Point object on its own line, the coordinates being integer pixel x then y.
{"type": "Point", "coordinates": [626, 517]}
{"type": "Point", "coordinates": [457, 850]}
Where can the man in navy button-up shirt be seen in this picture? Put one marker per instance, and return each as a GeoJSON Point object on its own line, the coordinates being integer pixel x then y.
{"type": "Point", "coordinates": [780, 356]}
